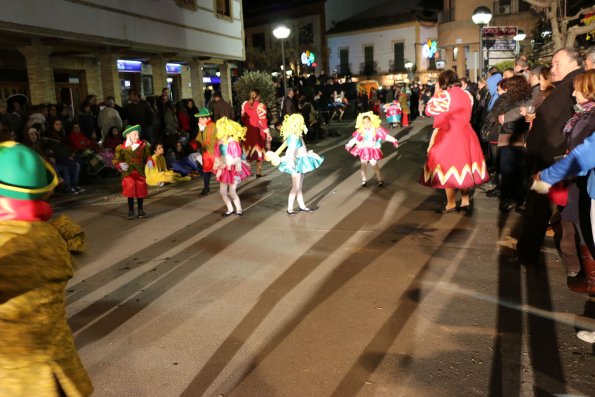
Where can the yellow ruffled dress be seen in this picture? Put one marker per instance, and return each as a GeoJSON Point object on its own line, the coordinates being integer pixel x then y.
{"type": "Point", "coordinates": [159, 174]}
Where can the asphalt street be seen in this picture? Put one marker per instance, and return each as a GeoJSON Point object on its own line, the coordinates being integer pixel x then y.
{"type": "Point", "coordinates": [372, 294]}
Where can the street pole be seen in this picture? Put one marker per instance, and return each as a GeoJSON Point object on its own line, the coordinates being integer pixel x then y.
{"type": "Point", "coordinates": [284, 70]}
{"type": "Point", "coordinates": [480, 60]}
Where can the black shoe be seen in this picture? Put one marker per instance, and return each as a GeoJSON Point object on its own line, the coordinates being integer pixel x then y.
{"type": "Point", "coordinates": [495, 192]}
{"type": "Point", "coordinates": [142, 214]}
{"type": "Point", "coordinates": [259, 175]}
{"type": "Point", "coordinates": [239, 213]}
{"type": "Point", "coordinates": [363, 183]}
{"type": "Point", "coordinates": [305, 209]}
{"type": "Point", "coordinates": [227, 213]}
{"type": "Point", "coordinates": [290, 212]}
{"type": "Point", "coordinates": [380, 183]}
{"type": "Point", "coordinates": [205, 191]}
{"type": "Point", "coordinates": [130, 215]}
{"type": "Point", "coordinates": [466, 209]}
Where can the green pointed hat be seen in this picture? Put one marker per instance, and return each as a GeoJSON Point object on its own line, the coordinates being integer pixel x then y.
{"type": "Point", "coordinates": [203, 112]}
{"type": "Point", "coordinates": [24, 175]}
{"type": "Point", "coordinates": [131, 128]}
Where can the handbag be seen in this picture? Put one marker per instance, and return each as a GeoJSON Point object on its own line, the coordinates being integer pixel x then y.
{"type": "Point", "coordinates": [490, 132]}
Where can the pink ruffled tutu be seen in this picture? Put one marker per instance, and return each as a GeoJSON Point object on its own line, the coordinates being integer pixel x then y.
{"type": "Point", "coordinates": [366, 153]}
{"type": "Point", "coordinates": [229, 176]}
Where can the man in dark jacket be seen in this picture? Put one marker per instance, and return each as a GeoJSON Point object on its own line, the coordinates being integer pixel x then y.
{"type": "Point", "coordinates": [220, 108]}
{"type": "Point", "coordinates": [544, 143]}
{"type": "Point", "coordinates": [289, 104]}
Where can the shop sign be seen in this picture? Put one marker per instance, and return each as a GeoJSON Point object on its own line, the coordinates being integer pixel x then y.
{"type": "Point", "coordinates": [128, 66]}
{"type": "Point", "coordinates": [173, 68]}
{"type": "Point", "coordinates": [500, 38]}
{"type": "Point", "coordinates": [212, 80]}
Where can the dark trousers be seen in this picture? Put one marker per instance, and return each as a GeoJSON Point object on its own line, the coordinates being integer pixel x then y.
{"type": "Point", "coordinates": [538, 211]}
{"type": "Point", "coordinates": [512, 172]}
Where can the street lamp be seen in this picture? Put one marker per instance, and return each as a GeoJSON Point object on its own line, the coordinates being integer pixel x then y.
{"type": "Point", "coordinates": [520, 36]}
{"type": "Point", "coordinates": [282, 32]}
{"type": "Point", "coordinates": [481, 16]}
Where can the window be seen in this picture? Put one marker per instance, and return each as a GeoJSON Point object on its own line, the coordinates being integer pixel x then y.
{"type": "Point", "coordinates": [258, 40]}
{"type": "Point", "coordinates": [189, 4]}
{"type": "Point", "coordinates": [369, 56]}
{"type": "Point", "coordinates": [399, 59]}
{"type": "Point", "coordinates": [344, 61]}
{"type": "Point", "coordinates": [223, 8]}
{"type": "Point", "coordinates": [306, 35]}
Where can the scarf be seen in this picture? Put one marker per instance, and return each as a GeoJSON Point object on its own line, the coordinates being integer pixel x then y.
{"type": "Point", "coordinates": [579, 110]}
{"type": "Point", "coordinates": [24, 210]}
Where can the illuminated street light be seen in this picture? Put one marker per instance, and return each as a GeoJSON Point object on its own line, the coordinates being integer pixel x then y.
{"type": "Point", "coordinates": [282, 32]}
{"type": "Point", "coordinates": [481, 17]}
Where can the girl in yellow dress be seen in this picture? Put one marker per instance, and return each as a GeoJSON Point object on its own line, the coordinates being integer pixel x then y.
{"type": "Point", "coordinates": [159, 174]}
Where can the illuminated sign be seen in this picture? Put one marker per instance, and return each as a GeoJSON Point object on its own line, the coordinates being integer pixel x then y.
{"type": "Point", "coordinates": [308, 58]}
{"type": "Point", "coordinates": [211, 80]}
{"type": "Point", "coordinates": [173, 68]}
{"type": "Point", "coordinates": [430, 49]}
{"type": "Point", "coordinates": [128, 66]}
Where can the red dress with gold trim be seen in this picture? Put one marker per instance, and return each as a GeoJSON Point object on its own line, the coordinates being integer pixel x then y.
{"type": "Point", "coordinates": [254, 118]}
{"type": "Point", "coordinates": [455, 159]}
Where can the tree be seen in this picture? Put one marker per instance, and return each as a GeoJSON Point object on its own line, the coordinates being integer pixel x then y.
{"type": "Point", "coordinates": [563, 35]}
{"type": "Point", "coordinates": [262, 81]}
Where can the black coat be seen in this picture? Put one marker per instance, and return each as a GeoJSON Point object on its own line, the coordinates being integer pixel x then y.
{"type": "Point", "coordinates": [545, 140]}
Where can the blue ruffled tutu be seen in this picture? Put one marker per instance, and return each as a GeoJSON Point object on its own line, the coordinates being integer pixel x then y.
{"type": "Point", "coordinates": [303, 164]}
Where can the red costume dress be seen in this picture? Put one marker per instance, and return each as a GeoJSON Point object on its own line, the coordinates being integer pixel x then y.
{"type": "Point", "coordinates": [455, 159]}
{"type": "Point", "coordinates": [254, 118]}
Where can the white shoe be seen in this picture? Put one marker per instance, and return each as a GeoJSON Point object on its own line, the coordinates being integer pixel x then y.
{"type": "Point", "coordinates": [586, 336]}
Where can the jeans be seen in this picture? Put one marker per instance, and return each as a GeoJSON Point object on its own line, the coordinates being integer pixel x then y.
{"type": "Point", "coordinates": [69, 170]}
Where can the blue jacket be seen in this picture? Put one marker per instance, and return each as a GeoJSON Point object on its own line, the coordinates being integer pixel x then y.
{"type": "Point", "coordinates": [492, 83]}
{"type": "Point", "coordinates": [578, 162]}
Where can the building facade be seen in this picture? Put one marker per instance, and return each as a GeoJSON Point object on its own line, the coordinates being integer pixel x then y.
{"type": "Point", "coordinates": [459, 37]}
{"type": "Point", "coordinates": [59, 51]}
{"type": "Point", "coordinates": [392, 50]}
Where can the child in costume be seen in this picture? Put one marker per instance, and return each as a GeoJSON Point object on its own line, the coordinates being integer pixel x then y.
{"type": "Point", "coordinates": [130, 159]}
{"type": "Point", "coordinates": [366, 142]}
{"type": "Point", "coordinates": [205, 139]}
{"type": "Point", "coordinates": [38, 356]}
{"type": "Point", "coordinates": [158, 175]}
{"type": "Point", "coordinates": [297, 160]}
{"type": "Point", "coordinates": [393, 113]}
{"type": "Point", "coordinates": [230, 168]}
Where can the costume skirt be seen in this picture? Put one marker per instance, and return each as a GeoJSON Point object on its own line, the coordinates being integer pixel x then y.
{"type": "Point", "coordinates": [232, 176]}
{"type": "Point", "coordinates": [302, 164]}
{"type": "Point", "coordinates": [455, 160]}
{"type": "Point", "coordinates": [134, 185]}
{"type": "Point", "coordinates": [394, 118]}
{"type": "Point", "coordinates": [366, 153]}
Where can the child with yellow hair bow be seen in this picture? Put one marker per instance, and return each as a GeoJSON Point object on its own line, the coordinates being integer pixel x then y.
{"type": "Point", "coordinates": [366, 142]}
{"type": "Point", "coordinates": [230, 167]}
{"type": "Point", "coordinates": [297, 160]}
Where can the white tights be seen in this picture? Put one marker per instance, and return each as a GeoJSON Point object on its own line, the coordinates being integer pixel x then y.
{"type": "Point", "coordinates": [364, 168]}
{"type": "Point", "coordinates": [297, 181]}
{"type": "Point", "coordinates": [228, 191]}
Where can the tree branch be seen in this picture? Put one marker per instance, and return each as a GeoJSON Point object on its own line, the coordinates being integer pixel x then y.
{"type": "Point", "coordinates": [567, 20]}
{"type": "Point", "coordinates": [538, 4]}
{"type": "Point", "coordinates": [577, 31]}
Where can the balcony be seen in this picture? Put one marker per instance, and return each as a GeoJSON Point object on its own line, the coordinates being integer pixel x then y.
{"type": "Point", "coordinates": [343, 69]}
{"type": "Point", "coordinates": [368, 68]}
{"type": "Point", "coordinates": [397, 67]}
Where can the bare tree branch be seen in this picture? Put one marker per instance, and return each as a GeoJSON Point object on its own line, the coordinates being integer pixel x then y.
{"type": "Point", "coordinates": [577, 31]}
{"type": "Point", "coordinates": [567, 20]}
{"type": "Point", "coordinates": [538, 4]}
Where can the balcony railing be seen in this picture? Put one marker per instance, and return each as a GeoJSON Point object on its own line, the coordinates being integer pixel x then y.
{"type": "Point", "coordinates": [396, 67]}
{"type": "Point", "coordinates": [343, 69]}
{"type": "Point", "coordinates": [368, 68]}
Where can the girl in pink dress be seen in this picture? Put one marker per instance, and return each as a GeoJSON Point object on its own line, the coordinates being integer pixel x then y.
{"type": "Point", "coordinates": [258, 138]}
{"type": "Point", "coordinates": [455, 160]}
{"type": "Point", "coordinates": [366, 142]}
{"type": "Point", "coordinates": [230, 167]}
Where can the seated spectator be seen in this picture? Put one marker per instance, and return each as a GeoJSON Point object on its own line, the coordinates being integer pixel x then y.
{"type": "Point", "coordinates": [108, 147]}
{"type": "Point", "coordinates": [85, 151]}
{"type": "Point", "coordinates": [60, 156]}
{"type": "Point", "coordinates": [185, 160]}
{"type": "Point", "coordinates": [159, 175]}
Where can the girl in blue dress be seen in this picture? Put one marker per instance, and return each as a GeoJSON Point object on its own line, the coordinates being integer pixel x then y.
{"type": "Point", "coordinates": [297, 160]}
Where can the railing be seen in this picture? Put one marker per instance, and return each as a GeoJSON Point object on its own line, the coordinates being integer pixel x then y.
{"type": "Point", "coordinates": [343, 69]}
{"type": "Point", "coordinates": [396, 67]}
{"type": "Point", "coordinates": [368, 68]}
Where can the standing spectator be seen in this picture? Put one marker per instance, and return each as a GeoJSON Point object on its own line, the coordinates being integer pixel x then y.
{"type": "Point", "coordinates": [404, 101]}
{"type": "Point", "coordinates": [138, 112]}
{"type": "Point", "coordinates": [162, 103]}
{"type": "Point", "coordinates": [221, 108]}
{"type": "Point", "coordinates": [455, 161]}
{"type": "Point", "coordinates": [544, 142]}
{"type": "Point", "coordinates": [492, 82]}
{"type": "Point", "coordinates": [109, 117]}
{"type": "Point", "coordinates": [87, 120]}
{"type": "Point", "coordinates": [191, 111]}
{"type": "Point", "coordinates": [289, 104]}
{"type": "Point", "coordinates": [590, 59]}
{"type": "Point", "coordinates": [414, 101]}
{"type": "Point", "coordinates": [258, 138]}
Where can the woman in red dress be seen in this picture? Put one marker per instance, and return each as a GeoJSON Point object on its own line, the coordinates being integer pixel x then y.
{"type": "Point", "coordinates": [258, 138]}
{"type": "Point", "coordinates": [455, 160]}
